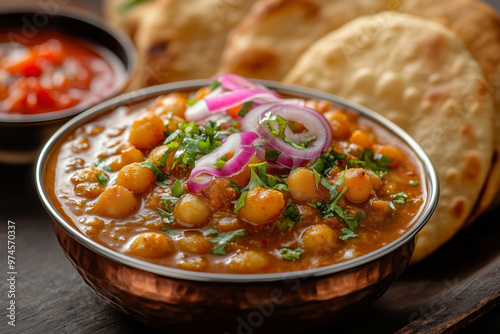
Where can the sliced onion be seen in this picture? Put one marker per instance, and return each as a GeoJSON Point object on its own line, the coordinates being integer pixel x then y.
{"type": "Point", "coordinates": [199, 110]}
{"type": "Point", "coordinates": [252, 118]}
{"type": "Point", "coordinates": [240, 144]}
{"type": "Point", "coordinates": [284, 160]}
{"type": "Point", "coordinates": [235, 82]}
{"type": "Point", "coordinates": [228, 100]}
{"type": "Point", "coordinates": [315, 123]}
{"type": "Point", "coordinates": [238, 89]}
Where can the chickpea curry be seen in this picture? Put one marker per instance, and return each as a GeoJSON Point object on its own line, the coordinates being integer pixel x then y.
{"type": "Point", "coordinates": [234, 178]}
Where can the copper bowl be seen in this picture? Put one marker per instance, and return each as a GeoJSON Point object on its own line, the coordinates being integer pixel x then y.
{"type": "Point", "coordinates": [182, 301]}
{"type": "Point", "coordinates": [23, 136]}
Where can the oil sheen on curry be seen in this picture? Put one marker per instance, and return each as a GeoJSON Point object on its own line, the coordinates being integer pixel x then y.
{"type": "Point", "coordinates": [234, 178]}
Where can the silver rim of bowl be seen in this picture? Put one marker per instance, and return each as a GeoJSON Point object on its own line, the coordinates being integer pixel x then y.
{"type": "Point", "coordinates": [143, 94]}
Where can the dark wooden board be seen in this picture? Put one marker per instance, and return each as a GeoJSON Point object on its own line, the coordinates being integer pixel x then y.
{"type": "Point", "coordinates": [456, 289]}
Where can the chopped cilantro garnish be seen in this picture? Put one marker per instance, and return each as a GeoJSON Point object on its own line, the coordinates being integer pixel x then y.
{"type": "Point", "coordinates": [271, 120]}
{"type": "Point", "coordinates": [191, 141]}
{"type": "Point", "coordinates": [366, 158]}
{"type": "Point", "coordinates": [161, 184]}
{"type": "Point", "coordinates": [213, 231]}
{"type": "Point", "coordinates": [245, 108]}
{"type": "Point", "coordinates": [261, 179]}
{"type": "Point", "coordinates": [326, 161]}
{"type": "Point", "coordinates": [214, 85]}
{"type": "Point", "coordinates": [168, 204]}
{"type": "Point", "coordinates": [241, 201]}
{"type": "Point", "coordinates": [168, 218]}
{"type": "Point", "coordinates": [348, 233]}
{"type": "Point", "coordinates": [399, 198]}
{"type": "Point", "coordinates": [169, 230]}
{"type": "Point", "coordinates": [317, 178]}
{"type": "Point", "coordinates": [272, 155]}
{"type": "Point", "coordinates": [177, 190]}
{"type": "Point", "coordinates": [292, 217]}
{"type": "Point", "coordinates": [191, 102]}
{"type": "Point", "coordinates": [333, 209]}
{"type": "Point", "coordinates": [223, 239]}
{"type": "Point", "coordinates": [221, 162]}
{"type": "Point", "coordinates": [235, 186]}
{"type": "Point", "coordinates": [285, 224]}
{"type": "Point", "coordinates": [102, 163]}
{"type": "Point", "coordinates": [277, 125]}
{"type": "Point", "coordinates": [391, 205]}
{"type": "Point", "coordinates": [102, 178]}
{"type": "Point", "coordinates": [160, 176]}
{"type": "Point", "coordinates": [307, 140]}
{"type": "Point", "coordinates": [291, 212]}
{"type": "Point", "coordinates": [414, 182]}
{"type": "Point", "coordinates": [352, 223]}
{"type": "Point", "coordinates": [291, 254]}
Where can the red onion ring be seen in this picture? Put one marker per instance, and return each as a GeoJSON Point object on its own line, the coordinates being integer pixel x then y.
{"type": "Point", "coordinates": [315, 123]}
{"type": "Point", "coordinates": [284, 160]}
{"type": "Point", "coordinates": [235, 82]}
{"type": "Point", "coordinates": [205, 171]}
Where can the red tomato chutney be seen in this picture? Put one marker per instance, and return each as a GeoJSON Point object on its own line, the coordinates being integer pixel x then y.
{"type": "Point", "coordinates": [125, 180]}
{"type": "Point", "coordinates": [50, 72]}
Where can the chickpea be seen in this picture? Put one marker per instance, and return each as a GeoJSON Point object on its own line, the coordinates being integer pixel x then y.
{"type": "Point", "coordinates": [248, 262]}
{"type": "Point", "coordinates": [262, 205]}
{"type": "Point", "coordinates": [302, 186]}
{"type": "Point", "coordinates": [89, 190]}
{"type": "Point", "coordinates": [172, 104]}
{"type": "Point", "coordinates": [194, 264]}
{"type": "Point", "coordinates": [361, 138]}
{"type": "Point", "coordinates": [202, 92]}
{"type": "Point", "coordinates": [136, 178]}
{"type": "Point", "coordinates": [358, 184]}
{"type": "Point", "coordinates": [87, 174]}
{"type": "Point", "coordinates": [242, 178]}
{"type": "Point", "coordinates": [127, 156]}
{"type": "Point", "coordinates": [380, 205]}
{"type": "Point", "coordinates": [339, 123]}
{"type": "Point", "coordinates": [226, 223]}
{"type": "Point", "coordinates": [158, 152]}
{"type": "Point", "coordinates": [375, 180]}
{"type": "Point", "coordinates": [146, 131]}
{"type": "Point", "coordinates": [392, 153]}
{"type": "Point", "coordinates": [86, 182]}
{"type": "Point", "coordinates": [173, 122]}
{"type": "Point", "coordinates": [195, 243]}
{"type": "Point", "coordinates": [152, 245]}
{"type": "Point", "coordinates": [219, 193]}
{"type": "Point", "coordinates": [191, 211]}
{"type": "Point", "coordinates": [321, 106]}
{"type": "Point", "coordinates": [320, 239]}
{"type": "Point", "coordinates": [116, 202]}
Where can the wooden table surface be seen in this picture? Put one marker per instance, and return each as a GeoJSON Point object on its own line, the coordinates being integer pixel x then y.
{"type": "Point", "coordinates": [457, 288]}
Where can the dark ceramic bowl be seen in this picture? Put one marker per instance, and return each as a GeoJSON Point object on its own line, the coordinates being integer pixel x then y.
{"type": "Point", "coordinates": [23, 136]}
{"type": "Point", "coordinates": [180, 301]}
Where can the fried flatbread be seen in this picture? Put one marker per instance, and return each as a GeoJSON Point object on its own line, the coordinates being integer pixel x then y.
{"type": "Point", "coordinates": [262, 46]}
{"type": "Point", "coordinates": [478, 27]}
{"type": "Point", "coordinates": [182, 40]}
{"type": "Point", "coordinates": [421, 76]}
{"type": "Point", "coordinates": [126, 18]}
{"type": "Point", "coordinates": [268, 41]}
